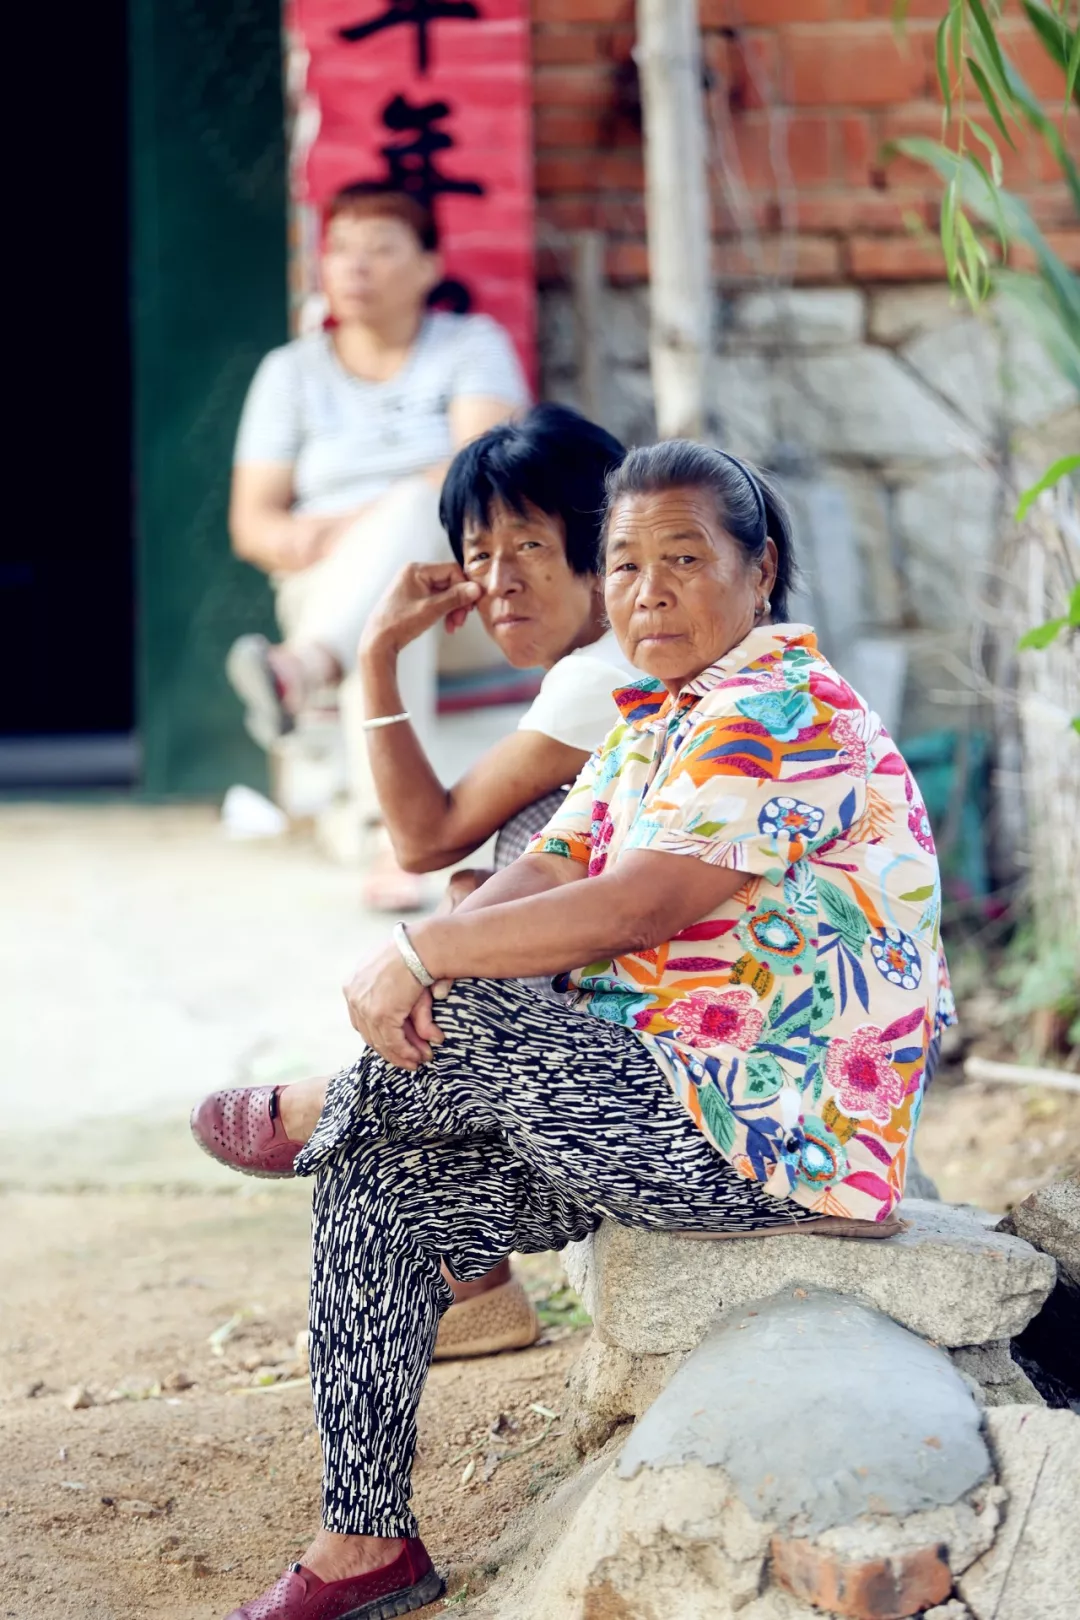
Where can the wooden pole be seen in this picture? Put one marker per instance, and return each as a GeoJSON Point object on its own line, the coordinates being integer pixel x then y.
{"type": "Point", "coordinates": [668, 55]}
{"type": "Point", "coordinates": [588, 296]}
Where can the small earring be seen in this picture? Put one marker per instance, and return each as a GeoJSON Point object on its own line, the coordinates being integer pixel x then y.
{"type": "Point", "coordinates": [762, 609]}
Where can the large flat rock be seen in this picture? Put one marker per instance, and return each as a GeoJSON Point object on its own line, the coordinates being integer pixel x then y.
{"type": "Point", "coordinates": [947, 1278]}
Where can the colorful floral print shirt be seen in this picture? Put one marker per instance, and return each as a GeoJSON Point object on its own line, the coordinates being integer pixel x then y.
{"type": "Point", "coordinates": [793, 1022]}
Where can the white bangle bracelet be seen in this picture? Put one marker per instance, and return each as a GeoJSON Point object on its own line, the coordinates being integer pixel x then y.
{"type": "Point", "coordinates": [408, 954]}
{"type": "Point", "coordinates": [385, 720]}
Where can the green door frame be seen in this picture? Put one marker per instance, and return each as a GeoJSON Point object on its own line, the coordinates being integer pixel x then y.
{"type": "Point", "coordinates": [209, 298]}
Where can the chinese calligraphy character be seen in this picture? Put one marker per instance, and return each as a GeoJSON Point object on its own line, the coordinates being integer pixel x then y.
{"type": "Point", "coordinates": [420, 14]}
{"type": "Point", "coordinates": [411, 165]}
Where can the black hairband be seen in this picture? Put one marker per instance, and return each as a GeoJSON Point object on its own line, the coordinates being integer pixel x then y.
{"type": "Point", "coordinates": [759, 494]}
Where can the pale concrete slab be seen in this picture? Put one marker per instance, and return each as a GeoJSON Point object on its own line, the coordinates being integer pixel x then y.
{"type": "Point", "coordinates": [819, 1411]}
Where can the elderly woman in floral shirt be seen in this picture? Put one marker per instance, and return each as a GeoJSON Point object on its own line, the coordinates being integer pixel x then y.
{"type": "Point", "coordinates": [746, 871]}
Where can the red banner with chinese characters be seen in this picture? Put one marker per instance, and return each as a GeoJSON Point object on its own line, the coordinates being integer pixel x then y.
{"type": "Point", "coordinates": [433, 96]}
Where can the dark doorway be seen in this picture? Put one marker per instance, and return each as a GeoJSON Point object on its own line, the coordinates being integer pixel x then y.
{"type": "Point", "coordinates": [67, 644]}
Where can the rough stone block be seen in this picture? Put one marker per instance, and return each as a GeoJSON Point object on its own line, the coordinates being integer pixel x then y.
{"type": "Point", "coordinates": [946, 1278]}
{"type": "Point", "coordinates": [945, 522]}
{"type": "Point", "coordinates": [609, 1386]}
{"type": "Point", "coordinates": [899, 314]}
{"type": "Point", "coordinates": [740, 392]}
{"type": "Point", "coordinates": [999, 1380]}
{"type": "Point", "coordinates": [626, 326]}
{"type": "Point", "coordinates": [1032, 1571]}
{"type": "Point", "coordinates": [556, 333]}
{"type": "Point", "coordinates": [1049, 1347]}
{"type": "Point", "coordinates": [864, 402]}
{"type": "Point", "coordinates": [808, 318]}
{"type": "Point", "coordinates": [888, 1588]}
{"type": "Point", "coordinates": [1050, 1219]}
{"type": "Point", "coordinates": [992, 375]}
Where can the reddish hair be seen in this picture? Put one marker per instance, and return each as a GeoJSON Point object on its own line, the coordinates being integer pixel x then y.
{"type": "Point", "coordinates": [367, 199]}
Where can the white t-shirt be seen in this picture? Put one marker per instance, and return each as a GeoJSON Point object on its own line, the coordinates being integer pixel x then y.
{"type": "Point", "coordinates": [348, 439]}
{"type": "Point", "coordinates": [574, 704]}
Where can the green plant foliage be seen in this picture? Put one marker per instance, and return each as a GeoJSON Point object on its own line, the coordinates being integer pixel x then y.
{"type": "Point", "coordinates": [975, 207]}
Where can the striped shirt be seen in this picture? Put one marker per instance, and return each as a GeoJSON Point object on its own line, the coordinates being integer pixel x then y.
{"type": "Point", "coordinates": [348, 439]}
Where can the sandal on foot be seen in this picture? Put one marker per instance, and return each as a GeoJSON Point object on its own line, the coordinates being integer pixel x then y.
{"type": "Point", "coordinates": [242, 1128]}
{"type": "Point", "coordinates": [253, 680]}
{"type": "Point", "coordinates": [501, 1319]}
{"type": "Point", "coordinates": [408, 1583]}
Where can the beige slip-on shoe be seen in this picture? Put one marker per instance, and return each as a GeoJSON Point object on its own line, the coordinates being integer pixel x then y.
{"type": "Point", "coordinates": [501, 1319]}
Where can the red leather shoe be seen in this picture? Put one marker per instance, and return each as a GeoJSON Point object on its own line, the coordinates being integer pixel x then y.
{"type": "Point", "coordinates": [398, 1588]}
{"type": "Point", "coordinates": [242, 1128]}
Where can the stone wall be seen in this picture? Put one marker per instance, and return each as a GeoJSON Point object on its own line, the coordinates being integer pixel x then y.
{"type": "Point", "coordinates": [901, 427]}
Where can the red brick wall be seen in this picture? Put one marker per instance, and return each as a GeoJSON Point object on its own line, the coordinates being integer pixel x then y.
{"type": "Point", "coordinates": [816, 86]}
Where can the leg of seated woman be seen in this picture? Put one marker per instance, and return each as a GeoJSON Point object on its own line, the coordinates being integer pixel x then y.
{"type": "Point", "coordinates": [530, 1125]}
{"type": "Point", "coordinates": [324, 608]}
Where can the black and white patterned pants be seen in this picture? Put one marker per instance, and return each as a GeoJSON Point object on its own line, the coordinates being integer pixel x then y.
{"type": "Point", "coordinates": [530, 1125]}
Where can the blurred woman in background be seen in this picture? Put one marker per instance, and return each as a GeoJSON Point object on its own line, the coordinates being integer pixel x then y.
{"type": "Point", "coordinates": [345, 438]}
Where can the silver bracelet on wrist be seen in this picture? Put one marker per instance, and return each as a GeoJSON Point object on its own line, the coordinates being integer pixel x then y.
{"type": "Point", "coordinates": [409, 957]}
{"type": "Point", "coordinates": [381, 720]}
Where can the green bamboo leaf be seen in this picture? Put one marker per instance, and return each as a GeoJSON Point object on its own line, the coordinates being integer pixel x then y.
{"type": "Point", "coordinates": [995, 200]}
{"type": "Point", "coordinates": [1032, 111]}
{"type": "Point", "coordinates": [948, 229]}
{"type": "Point", "coordinates": [1042, 635]}
{"type": "Point", "coordinates": [941, 52]}
{"type": "Point", "coordinates": [1053, 475]}
{"type": "Point", "coordinates": [974, 264]}
{"type": "Point", "coordinates": [956, 34]}
{"type": "Point", "coordinates": [982, 84]}
{"type": "Point", "coordinates": [1060, 42]}
{"type": "Point", "coordinates": [990, 144]}
{"type": "Point", "coordinates": [1076, 724]}
{"type": "Point", "coordinates": [989, 38]}
{"type": "Point", "coordinates": [1042, 313]}
{"type": "Point", "coordinates": [1074, 608]}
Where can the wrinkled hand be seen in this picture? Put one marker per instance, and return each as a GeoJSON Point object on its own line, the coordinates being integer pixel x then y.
{"type": "Point", "coordinates": [421, 595]}
{"type": "Point", "coordinates": [388, 1008]}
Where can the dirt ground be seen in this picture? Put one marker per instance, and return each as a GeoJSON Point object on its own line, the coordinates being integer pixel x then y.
{"type": "Point", "coordinates": [191, 1476]}
{"type": "Point", "coordinates": [189, 1482]}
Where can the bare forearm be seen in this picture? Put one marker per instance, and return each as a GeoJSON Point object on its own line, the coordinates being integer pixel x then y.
{"type": "Point", "coordinates": [492, 936]}
{"type": "Point", "coordinates": [414, 803]}
{"type": "Point", "coordinates": [283, 542]}
{"type": "Point", "coordinates": [527, 876]}
{"type": "Point", "coordinates": [266, 540]}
